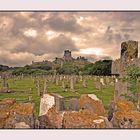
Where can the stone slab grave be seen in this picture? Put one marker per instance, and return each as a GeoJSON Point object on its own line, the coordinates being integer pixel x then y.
{"type": "Point", "coordinates": [16, 115]}
{"type": "Point", "coordinates": [47, 103]}
{"type": "Point", "coordinates": [49, 100]}
{"type": "Point", "coordinates": [74, 104]}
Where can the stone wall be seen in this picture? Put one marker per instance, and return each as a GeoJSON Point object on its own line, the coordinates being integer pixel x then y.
{"type": "Point", "coordinates": [16, 115]}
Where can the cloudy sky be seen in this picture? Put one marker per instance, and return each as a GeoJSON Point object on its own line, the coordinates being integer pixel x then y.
{"type": "Point", "coordinates": [37, 36]}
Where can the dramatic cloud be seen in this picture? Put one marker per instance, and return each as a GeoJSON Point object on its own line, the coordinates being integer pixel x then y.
{"type": "Point", "coordinates": [36, 36]}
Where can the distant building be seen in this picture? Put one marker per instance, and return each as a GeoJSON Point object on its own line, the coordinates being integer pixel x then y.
{"type": "Point", "coordinates": [81, 58]}
{"type": "Point", "coordinates": [67, 56]}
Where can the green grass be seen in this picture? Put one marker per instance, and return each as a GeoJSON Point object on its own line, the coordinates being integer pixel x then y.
{"type": "Point", "coordinates": [26, 87]}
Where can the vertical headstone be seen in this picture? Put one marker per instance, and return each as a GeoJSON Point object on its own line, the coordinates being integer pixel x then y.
{"type": "Point", "coordinates": [38, 87]}
{"type": "Point", "coordinates": [45, 86]}
{"type": "Point", "coordinates": [102, 81]}
{"type": "Point", "coordinates": [74, 104]}
{"type": "Point", "coordinates": [57, 80]}
{"type": "Point", "coordinates": [81, 78]}
{"type": "Point", "coordinates": [84, 83]}
{"type": "Point", "coordinates": [63, 84]}
{"type": "Point", "coordinates": [72, 84]}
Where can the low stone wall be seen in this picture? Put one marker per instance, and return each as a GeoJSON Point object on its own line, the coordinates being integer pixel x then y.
{"type": "Point", "coordinates": [16, 115]}
{"type": "Point", "coordinates": [125, 115]}
{"type": "Point", "coordinates": [92, 103]}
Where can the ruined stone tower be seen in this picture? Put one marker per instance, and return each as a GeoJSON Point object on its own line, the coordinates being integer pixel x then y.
{"type": "Point", "coordinates": [129, 50]}
{"type": "Point", "coordinates": [129, 55]}
{"type": "Point", "coordinates": [67, 55]}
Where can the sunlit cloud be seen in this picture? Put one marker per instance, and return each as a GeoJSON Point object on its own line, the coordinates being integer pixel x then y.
{"type": "Point", "coordinates": [51, 34]}
{"type": "Point", "coordinates": [30, 33]}
{"type": "Point", "coordinates": [96, 51]}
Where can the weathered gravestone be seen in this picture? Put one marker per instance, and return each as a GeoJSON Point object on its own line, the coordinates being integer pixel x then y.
{"type": "Point", "coordinates": [72, 84]}
{"type": "Point", "coordinates": [74, 104]}
{"type": "Point", "coordinates": [49, 100]}
{"type": "Point", "coordinates": [63, 84]}
{"type": "Point", "coordinates": [84, 83]}
{"type": "Point", "coordinates": [57, 80]}
{"type": "Point", "coordinates": [98, 85]}
{"type": "Point", "coordinates": [102, 81]}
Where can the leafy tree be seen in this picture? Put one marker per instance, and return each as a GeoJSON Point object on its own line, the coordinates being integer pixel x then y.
{"type": "Point", "coordinates": [132, 74]}
{"type": "Point", "coordinates": [98, 68]}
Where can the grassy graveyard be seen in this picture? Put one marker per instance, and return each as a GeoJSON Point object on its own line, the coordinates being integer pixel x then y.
{"type": "Point", "coordinates": [24, 88]}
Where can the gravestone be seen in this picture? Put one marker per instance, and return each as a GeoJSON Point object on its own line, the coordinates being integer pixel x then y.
{"type": "Point", "coordinates": [63, 84]}
{"type": "Point", "coordinates": [84, 83]}
{"type": "Point", "coordinates": [38, 88]}
{"type": "Point", "coordinates": [72, 84]}
{"type": "Point", "coordinates": [57, 80]}
{"type": "Point", "coordinates": [48, 101]}
{"type": "Point", "coordinates": [98, 85]}
{"type": "Point", "coordinates": [81, 78]}
{"type": "Point", "coordinates": [74, 104]}
{"type": "Point", "coordinates": [45, 86]}
{"type": "Point", "coordinates": [102, 81]}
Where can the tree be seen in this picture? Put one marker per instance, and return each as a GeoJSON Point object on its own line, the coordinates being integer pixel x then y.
{"type": "Point", "coordinates": [101, 68]}
{"type": "Point", "coordinates": [132, 74]}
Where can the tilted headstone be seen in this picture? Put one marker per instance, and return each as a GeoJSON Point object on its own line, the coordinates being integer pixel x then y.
{"type": "Point", "coordinates": [48, 101]}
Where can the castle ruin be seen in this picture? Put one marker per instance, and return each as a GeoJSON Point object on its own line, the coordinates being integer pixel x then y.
{"type": "Point", "coordinates": [67, 55]}
{"type": "Point", "coordinates": [129, 55]}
